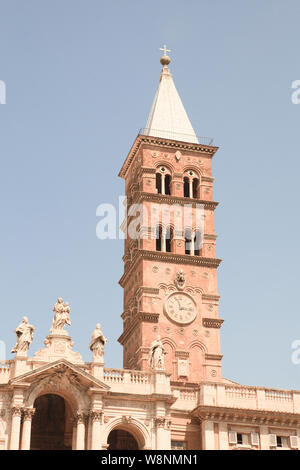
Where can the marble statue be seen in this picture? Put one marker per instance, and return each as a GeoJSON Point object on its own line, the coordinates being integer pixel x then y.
{"type": "Point", "coordinates": [61, 315]}
{"type": "Point", "coordinates": [24, 334]}
{"type": "Point", "coordinates": [156, 354]}
{"type": "Point", "coordinates": [97, 342]}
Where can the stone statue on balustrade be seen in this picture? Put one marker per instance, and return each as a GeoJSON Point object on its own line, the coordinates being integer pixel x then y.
{"type": "Point", "coordinates": [61, 316]}
{"type": "Point", "coordinates": [24, 334]}
{"type": "Point", "coordinates": [157, 354]}
{"type": "Point", "coordinates": [97, 343]}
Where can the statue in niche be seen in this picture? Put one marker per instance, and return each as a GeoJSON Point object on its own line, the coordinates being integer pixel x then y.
{"type": "Point", "coordinates": [61, 315]}
{"type": "Point", "coordinates": [24, 334]}
{"type": "Point", "coordinates": [97, 343]}
{"type": "Point", "coordinates": [157, 354]}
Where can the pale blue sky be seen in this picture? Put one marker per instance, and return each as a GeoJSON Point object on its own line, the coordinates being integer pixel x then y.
{"type": "Point", "coordinates": [81, 77]}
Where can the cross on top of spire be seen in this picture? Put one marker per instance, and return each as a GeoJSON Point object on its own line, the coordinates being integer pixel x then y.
{"type": "Point", "coordinates": [165, 49]}
{"type": "Point", "coordinates": [165, 59]}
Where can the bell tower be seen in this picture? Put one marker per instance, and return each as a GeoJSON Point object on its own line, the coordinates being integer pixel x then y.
{"type": "Point", "coordinates": [170, 264]}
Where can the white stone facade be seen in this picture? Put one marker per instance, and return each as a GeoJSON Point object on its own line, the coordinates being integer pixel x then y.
{"type": "Point", "coordinates": [157, 413]}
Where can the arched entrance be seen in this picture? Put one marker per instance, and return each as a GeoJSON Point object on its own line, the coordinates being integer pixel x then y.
{"type": "Point", "coordinates": [51, 424]}
{"type": "Point", "coordinates": [119, 439]}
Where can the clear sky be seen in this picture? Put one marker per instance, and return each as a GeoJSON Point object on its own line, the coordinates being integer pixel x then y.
{"type": "Point", "coordinates": [81, 76]}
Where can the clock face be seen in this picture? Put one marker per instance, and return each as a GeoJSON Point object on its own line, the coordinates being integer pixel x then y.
{"type": "Point", "coordinates": [181, 308]}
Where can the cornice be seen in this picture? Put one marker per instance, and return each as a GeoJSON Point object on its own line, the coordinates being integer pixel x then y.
{"type": "Point", "coordinates": [146, 290]}
{"type": "Point", "coordinates": [139, 318]}
{"type": "Point", "coordinates": [170, 143]}
{"type": "Point", "coordinates": [249, 416]}
{"type": "Point", "coordinates": [147, 169]}
{"type": "Point", "coordinates": [208, 150]}
{"type": "Point", "coordinates": [182, 354]}
{"type": "Point", "coordinates": [128, 160]}
{"type": "Point", "coordinates": [166, 199]}
{"type": "Point", "coordinates": [169, 258]}
{"type": "Point", "coordinates": [208, 236]}
{"type": "Point", "coordinates": [139, 397]}
{"type": "Point", "coordinates": [208, 179]}
{"type": "Point", "coordinates": [213, 357]}
{"type": "Point", "coordinates": [212, 297]}
{"type": "Point", "coordinates": [212, 322]}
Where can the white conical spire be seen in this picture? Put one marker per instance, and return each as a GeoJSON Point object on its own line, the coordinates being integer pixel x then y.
{"type": "Point", "coordinates": [168, 117]}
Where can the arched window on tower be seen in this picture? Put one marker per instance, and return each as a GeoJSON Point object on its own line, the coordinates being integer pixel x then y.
{"type": "Point", "coordinates": [186, 187]}
{"type": "Point", "coordinates": [158, 238]}
{"type": "Point", "coordinates": [197, 243]}
{"type": "Point", "coordinates": [195, 187]}
{"type": "Point", "coordinates": [193, 242]}
{"type": "Point", "coordinates": [188, 241]}
{"type": "Point", "coordinates": [169, 238]}
{"type": "Point", "coordinates": [164, 237]}
{"type": "Point", "coordinates": [168, 184]}
{"type": "Point", "coordinates": [163, 181]}
{"type": "Point", "coordinates": [158, 183]}
{"type": "Point", "coordinates": [191, 185]}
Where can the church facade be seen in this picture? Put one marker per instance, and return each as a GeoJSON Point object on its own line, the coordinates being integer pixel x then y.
{"type": "Point", "coordinates": [171, 393]}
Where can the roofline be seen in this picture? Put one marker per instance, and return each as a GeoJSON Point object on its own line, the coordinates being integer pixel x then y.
{"type": "Point", "coordinates": [141, 139]}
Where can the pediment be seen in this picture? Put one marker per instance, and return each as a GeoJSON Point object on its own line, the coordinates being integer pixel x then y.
{"type": "Point", "coordinates": [61, 369]}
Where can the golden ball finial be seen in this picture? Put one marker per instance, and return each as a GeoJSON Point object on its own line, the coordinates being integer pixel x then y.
{"type": "Point", "coordinates": [165, 60]}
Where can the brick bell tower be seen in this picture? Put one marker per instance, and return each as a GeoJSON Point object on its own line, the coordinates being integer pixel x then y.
{"type": "Point", "coordinates": [170, 267]}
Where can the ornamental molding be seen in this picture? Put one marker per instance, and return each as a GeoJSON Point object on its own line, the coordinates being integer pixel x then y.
{"type": "Point", "coordinates": [80, 417]}
{"type": "Point", "coordinates": [96, 415]}
{"type": "Point", "coordinates": [182, 354]}
{"type": "Point", "coordinates": [211, 297]}
{"type": "Point", "coordinates": [207, 179]}
{"type": "Point", "coordinates": [160, 422]}
{"type": "Point", "coordinates": [146, 290]}
{"type": "Point", "coordinates": [168, 424]}
{"type": "Point", "coordinates": [148, 317]}
{"type": "Point", "coordinates": [16, 410]}
{"type": "Point", "coordinates": [168, 258]}
{"type": "Point", "coordinates": [140, 317]}
{"type": "Point", "coordinates": [180, 259]}
{"type": "Point", "coordinates": [212, 322]}
{"type": "Point", "coordinates": [207, 150]}
{"type": "Point", "coordinates": [167, 199]}
{"type": "Point", "coordinates": [208, 236]}
{"type": "Point", "coordinates": [213, 357]}
{"type": "Point", "coordinates": [246, 416]}
{"type": "Point", "coordinates": [179, 280]}
{"type": "Point", "coordinates": [126, 419]}
{"type": "Point", "coordinates": [28, 413]}
{"type": "Point", "coordinates": [147, 169]}
{"type": "Point", "coordinates": [170, 288]}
